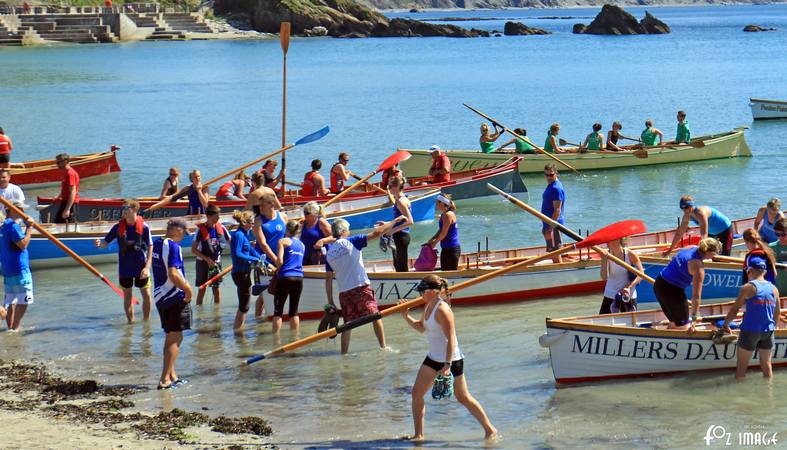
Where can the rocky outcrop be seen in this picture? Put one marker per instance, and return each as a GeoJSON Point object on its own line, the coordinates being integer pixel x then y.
{"type": "Point", "coordinates": [520, 29]}
{"type": "Point", "coordinates": [756, 28]}
{"type": "Point", "coordinates": [341, 18]}
{"type": "Point", "coordinates": [613, 20]}
{"type": "Point", "coordinates": [653, 25]}
{"type": "Point", "coordinates": [579, 28]}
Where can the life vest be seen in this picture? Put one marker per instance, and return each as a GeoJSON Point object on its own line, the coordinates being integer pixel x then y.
{"type": "Point", "coordinates": [139, 227]}
{"type": "Point", "coordinates": [308, 184]}
{"type": "Point", "coordinates": [204, 230]}
{"type": "Point", "coordinates": [336, 184]}
{"type": "Point", "coordinates": [123, 244]}
{"type": "Point", "coordinates": [224, 190]}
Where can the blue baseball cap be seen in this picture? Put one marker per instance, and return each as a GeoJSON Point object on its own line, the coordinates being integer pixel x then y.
{"type": "Point", "coordinates": [757, 262]}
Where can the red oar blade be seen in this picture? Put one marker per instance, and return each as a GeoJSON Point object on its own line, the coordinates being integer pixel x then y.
{"type": "Point", "coordinates": [690, 240]}
{"type": "Point", "coordinates": [394, 159]}
{"type": "Point", "coordinates": [612, 232]}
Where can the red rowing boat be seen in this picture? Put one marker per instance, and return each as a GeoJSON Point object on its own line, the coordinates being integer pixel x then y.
{"type": "Point", "coordinates": [46, 171]}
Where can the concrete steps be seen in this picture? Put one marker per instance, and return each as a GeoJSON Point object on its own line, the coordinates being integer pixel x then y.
{"type": "Point", "coordinates": [162, 34]}
{"type": "Point", "coordinates": [185, 22]}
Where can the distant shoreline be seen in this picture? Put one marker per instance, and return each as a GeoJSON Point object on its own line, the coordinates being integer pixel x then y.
{"type": "Point", "coordinates": [598, 7]}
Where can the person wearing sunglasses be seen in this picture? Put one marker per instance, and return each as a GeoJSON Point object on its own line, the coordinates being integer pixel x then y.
{"type": "Point", "coordinates": [444, 356]}
{"type": "Point", "coordinates": [712, 224]}
{"type": "Point", "coordinates": [780, 252]}
{"type": "Point", "coordinates": [553, 202]}
{"type": "Point", "coordinates": [340, 173]}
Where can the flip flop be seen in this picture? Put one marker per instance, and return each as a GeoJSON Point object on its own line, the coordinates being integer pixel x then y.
{"type": "Point", "coordinates": [180, 381]}
{"type": "Point", "coordinates": [163, 386]}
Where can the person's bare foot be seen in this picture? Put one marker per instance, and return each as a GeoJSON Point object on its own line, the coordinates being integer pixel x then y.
{"type": "Point", "coordinates": [491, 435]}
{"type": "Point", "coordinates": [414, 438]}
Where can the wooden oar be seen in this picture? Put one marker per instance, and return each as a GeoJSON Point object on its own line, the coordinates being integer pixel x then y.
{"type": "Point", "coordinates": [389, 162]}
{"type": "Point", "coordinates": [284, 40]}
{"type": "Point", "coordinates": [634, 226]}
{"type": "Point", "coordinates": [524, 138]}
{"type": "Point", "coordinates": [319, 134]}
{"type": "Point", "coordinates": [741, 261]}
{"type": "Point", "coordinates": [565, 142]}
{"type": "Point", "coordinates": [595, 238]}
{"type": "Point", "coordinates": [64, 247]}
{"type": "Point", "coordinates": [642, 152]}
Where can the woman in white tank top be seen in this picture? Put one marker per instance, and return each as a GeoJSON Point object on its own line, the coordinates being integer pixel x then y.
{"type": "Point", "coordinates": [444, 355]}
{"type": "Point", "coordinates": [619, 280]}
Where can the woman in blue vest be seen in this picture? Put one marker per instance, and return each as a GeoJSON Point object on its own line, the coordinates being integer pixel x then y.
{"type": "Point", "coordinates": [767, 216]}
{"type": "Point", "coordinates": [685, 269]}
{"type": "Point", "coordinates": [315, 227]}
{"type": "Point", "coordinates": [447, 234]}
{"type": "Point", "coordinates": [763, 310]}
{"type": "Point", "coordinates": [269, 227]}
{"type": "Point", "coordinates": [197, 194]}
{"type": "Point", "coordinates": [712, 224]}
{"type": "Point", "coordinates": [289, 272]}
{"type": "Point", "coordinates": [401, 232]}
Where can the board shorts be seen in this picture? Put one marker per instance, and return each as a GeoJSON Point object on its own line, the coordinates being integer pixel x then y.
{"type": "Point", "coordinates": [5, 158]}
{"type": "Point", "coordinates": [725, 238]}
{"type": "Point", "coordinates": [555, 243]}
{"type": "Point", "coordinates": [457, 367]}
{"type": "Point", "coordinates": [175, 316]}
{"type": "Point", "coordinates": [18, 289]}
{"type": "Point", "coordinates": [752, 340]}
{"type": "Point", "coordinates": [129, 282]}
{"type": "Point", "coordinates": [204, 273]}
{"type": "Point", "coordinates": [358, 302]}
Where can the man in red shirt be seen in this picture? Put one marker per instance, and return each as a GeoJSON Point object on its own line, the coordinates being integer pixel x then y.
{"type": "Point", "coordinates": [69, 190]}
{"type": "Point", "coordinates": [5, 149]}
{"type": "Point", "coordinates": [441, 166]}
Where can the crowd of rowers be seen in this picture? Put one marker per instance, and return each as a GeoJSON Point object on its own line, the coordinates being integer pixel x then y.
{"type": "Point", "coordinates": [594, 141]}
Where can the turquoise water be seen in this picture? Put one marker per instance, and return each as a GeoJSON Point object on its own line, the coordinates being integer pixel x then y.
{"type": "Point", "coordinates": [214, 105]}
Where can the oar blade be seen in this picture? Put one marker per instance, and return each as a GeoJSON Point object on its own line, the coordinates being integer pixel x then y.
{"type": "Point", "coordinates": [612, 232]}
{"type": "Point", "coordinates": [641, 153]}
{"type": "Point", "coordinates": [397, 157]}
{"type": "Point", "coordinates": [316, 136]}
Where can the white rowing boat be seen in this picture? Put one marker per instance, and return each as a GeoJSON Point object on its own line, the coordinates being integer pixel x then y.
{"type": "Point", "coordinates": [636, 344]}
{"type": "Point", "coordinates": [768, 109]}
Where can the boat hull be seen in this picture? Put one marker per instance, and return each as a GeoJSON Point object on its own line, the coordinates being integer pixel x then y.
{"type": "Point", "coordinates": [46, 171]}
{"type": "Point", "coordinates": [724, 145]}
{"type": "Point", "coordinates": [595, 348]}
{"type": "Point", "coordinates": [469, 184]}
{"type": "Point", "coordinates": [768, 109]}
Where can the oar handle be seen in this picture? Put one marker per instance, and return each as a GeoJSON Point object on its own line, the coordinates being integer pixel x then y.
{"type": "Point", "coordinates": [61, 245]}
{"type": "Point", "coordinates": [524, 138]}
{"type": "Point", "coordinates": [568, 232]}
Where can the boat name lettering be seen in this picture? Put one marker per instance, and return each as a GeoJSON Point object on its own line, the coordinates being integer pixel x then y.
{"type": "Point", "coordinates": [393, 291]}
{"type": "Point", "coordinates": [467, 164]}
{"type": "Point", "coordinates": [774, 108]}
{"type": "Point", "coordinates": [621, 347]}
{"type": "Point", "coordinates": [723, 280]}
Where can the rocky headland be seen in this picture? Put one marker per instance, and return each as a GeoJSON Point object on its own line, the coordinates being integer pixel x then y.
{"type": "Point", "coordinates": [494, 4]}
{"type": "Point", "coordinates": [614, 20]}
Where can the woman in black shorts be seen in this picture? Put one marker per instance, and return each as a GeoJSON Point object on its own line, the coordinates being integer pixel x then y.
{"type": "Point", "coordinates": [289, 274]}
{"type": "Point", "coordinates": [447, 234]}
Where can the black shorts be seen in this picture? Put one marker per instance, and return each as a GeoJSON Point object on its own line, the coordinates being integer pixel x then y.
{"type": "Point", "coordinates": [287, 287]}
{"type": "Point", "coordinates": [556, 242]}
{"type": "Point", "coordinates": [62, 207]}
{"type": "Point", "coordinates": [203, 273]}
{"type": "Point", "coordinates": [725, 238]}
{"type": "Point", "coordinates": [129, 282]}
{"type": "Point", "coordinates": [5, 158]}
{"type": "Point", "coordinates": [751, 340]}
{"type": "Point", "coordinates": [449, 258]}
{"type": "Point", "coordinates": [457, 367]}
{"type": "Point", "coordinates": [313, 257]}
{"type": "Point", "coordinates": [673, 301]}
{"type": "Point", "coordinates": [175, 317]}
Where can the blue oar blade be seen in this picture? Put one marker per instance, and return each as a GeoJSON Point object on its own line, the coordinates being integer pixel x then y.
{"type": "Point", "coordinates": [317, 135]}
{"type": "Point", "coordinates": [254, 359]}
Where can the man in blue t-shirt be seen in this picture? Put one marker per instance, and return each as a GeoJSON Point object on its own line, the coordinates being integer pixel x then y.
{"type": "Point", "coordinates": [552, 204]}
{"type": "Point", "coordinates": [18, 280]}
{"type": "Point", "coordinates": [135, 251]}
{"type": "Point", "coordinates": [172, 294]}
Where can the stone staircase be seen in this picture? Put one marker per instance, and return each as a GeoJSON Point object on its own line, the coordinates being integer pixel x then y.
{"type": "Point", "coordinates": [185, 22]}
{"type": "Point", "coordinates": [68, 28]}
{"type": "Point", "coordinates": [7, 37]}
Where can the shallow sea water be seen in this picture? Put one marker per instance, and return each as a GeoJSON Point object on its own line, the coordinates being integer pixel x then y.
{"type": "Point", "coordinates": [213, 105]}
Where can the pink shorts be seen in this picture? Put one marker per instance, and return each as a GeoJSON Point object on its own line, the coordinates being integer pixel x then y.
{"type": "Point", "coordinates": [358, 302]}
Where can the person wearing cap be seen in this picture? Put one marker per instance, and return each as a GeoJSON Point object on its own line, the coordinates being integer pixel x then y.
{"type": "Point", "coordinates": [314, 183]}
{"type": "Point", "coordinates": [18, 279]}
{"type": "Point", "coordinates": [172, 293]}
{"type": "Point", "coordinates": [553, 202]}
{"type": "Point", "coordinates": [135, 253]}
{"type": "Point", "coordinates": [620, 289]}
{"type": "Point", "coordinates": [210, 240]}
{"type": "Point", "coordinates": [447, 234]}
{"type": "Point", "coordinates": [440, 171]}
{"type": "Point", "coordinates": [5, 149]}
{"type": "Point", "coordinates": [69, 190]}
{"type": "Point", "coordinates": [444, 356]}
{"type": "Point", "coordinates": [521, 146]}
{"type": "Point", "coordinates": [763, 311]}
{"type": "Point", "coordinates": [344, 261]}
{"type": "Point", "coordinates": [487, 140]}
{"type": "Point", "coordinates": [685, 269]}
{"type": "Point", "coordinates": [712, 224]}
{"type": "Point", "coordinates": [8, 190]}
{"type": "Point", "coordinates": [340, 173]}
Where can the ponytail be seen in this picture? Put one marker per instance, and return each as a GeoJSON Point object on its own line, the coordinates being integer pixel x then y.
{"type": "Point", "coordinates": [444, 289]}
{"type": "Point", "coordinates": [752, 236]}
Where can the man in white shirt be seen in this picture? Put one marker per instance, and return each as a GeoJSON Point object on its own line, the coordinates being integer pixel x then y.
{"type": "Point", "coordinates": [9, 191]}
